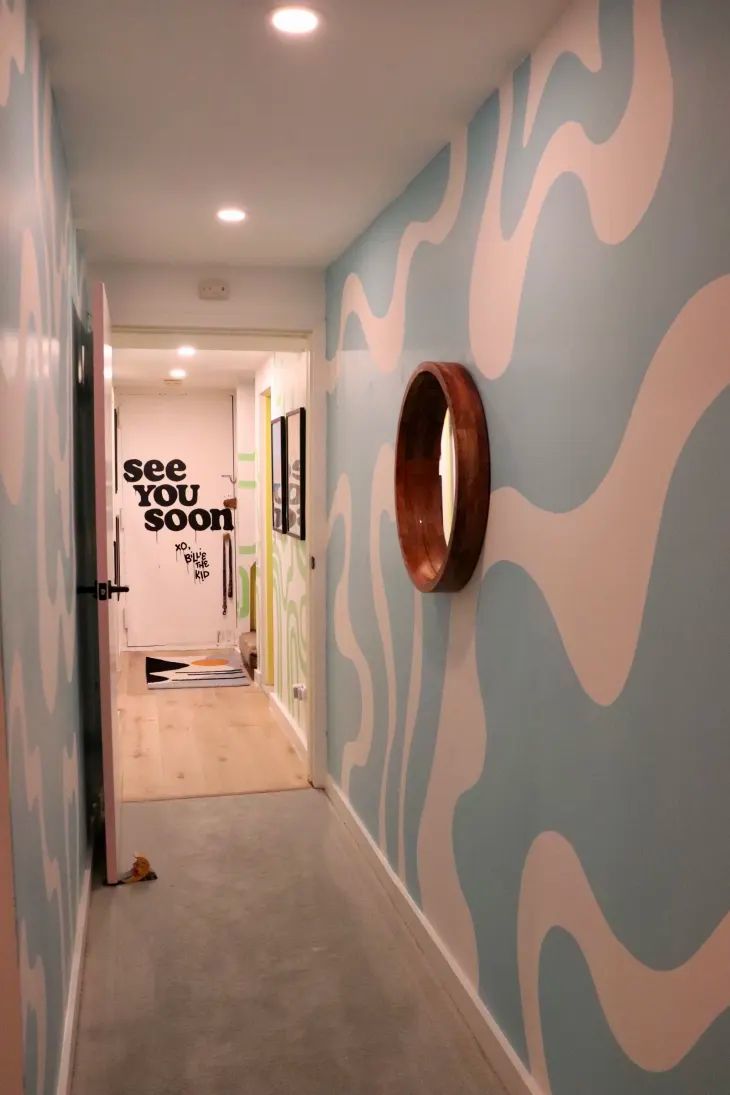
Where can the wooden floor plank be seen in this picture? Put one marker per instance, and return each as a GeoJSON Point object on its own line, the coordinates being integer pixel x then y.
{"type": "Point", "coordinates": [189, 742]}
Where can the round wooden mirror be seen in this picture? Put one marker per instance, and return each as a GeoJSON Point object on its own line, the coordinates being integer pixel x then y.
{"type": "Point", "coordinates": [442, 477]}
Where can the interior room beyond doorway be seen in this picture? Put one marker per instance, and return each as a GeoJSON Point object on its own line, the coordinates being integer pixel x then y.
{"type": "Point", "coordinates": [197, 715]}
{"type": "Point", "coordinates": [186, 743]}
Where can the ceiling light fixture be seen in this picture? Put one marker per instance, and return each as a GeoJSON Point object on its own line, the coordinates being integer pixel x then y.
{"type": "Point", "coordinates": [231, 215]}
{"type": "Point", "coordinates": [295, 20]}
{"type": "Point", "coordinates": [177, 374]}
{"type": "Point", "coordinates": [186, 351]}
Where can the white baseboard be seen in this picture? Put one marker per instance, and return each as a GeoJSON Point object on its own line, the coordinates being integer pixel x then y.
{"type": "Point", "coordinates": [292, 728]}
{"type": "Point", "coordinates": [73, 1000]}
{"type": "Point", "coordinates": [494, 1044]}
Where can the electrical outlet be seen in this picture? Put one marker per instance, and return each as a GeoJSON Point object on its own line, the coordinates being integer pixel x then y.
{"type": "Point", "coordinates": [213, 289]}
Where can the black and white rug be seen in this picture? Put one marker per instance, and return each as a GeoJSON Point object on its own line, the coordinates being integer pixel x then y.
{"type": "Point", "coordinates": [220, 670]}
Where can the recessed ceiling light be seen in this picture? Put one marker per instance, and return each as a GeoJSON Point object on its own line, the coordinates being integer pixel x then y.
{"type": "Point", "coordinates": [231, 215]}
{"type": "Point", "coordinates": [186, 351]}
{"type": "Point", "coordinates": [177, 374]}
{"type": "Point", "coordinates": [295, 20]}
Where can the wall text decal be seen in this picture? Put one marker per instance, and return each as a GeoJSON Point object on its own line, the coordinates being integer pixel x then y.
{"type": "Point", "coordinates": [198, 559]}
{"type": "Point", "coordinates": [167, 494]}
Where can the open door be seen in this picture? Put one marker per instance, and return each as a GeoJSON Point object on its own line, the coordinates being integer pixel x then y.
{"type": "Point", "coordinates": [107, 589]}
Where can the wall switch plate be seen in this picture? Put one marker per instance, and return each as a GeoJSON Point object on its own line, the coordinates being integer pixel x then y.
{"type": "Point", "coordinates": [300, 691]}
{"type": "Point", "coordinates": [213, 289]}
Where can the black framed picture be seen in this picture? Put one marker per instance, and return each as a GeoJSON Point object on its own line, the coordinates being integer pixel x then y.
{"type": "Point", "coordinates": [296, 443]}
{"type": "Point", "coordinates": [278, 475]}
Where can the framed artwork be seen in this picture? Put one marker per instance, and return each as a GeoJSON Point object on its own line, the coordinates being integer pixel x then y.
{"type": "Point", "coordinates": [278, 475]}
{"type": "Point", "coordinates": [296, 442]}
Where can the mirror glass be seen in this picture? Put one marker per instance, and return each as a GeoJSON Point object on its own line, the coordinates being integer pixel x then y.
{"type": "Point", "coordinates": [447, 472]}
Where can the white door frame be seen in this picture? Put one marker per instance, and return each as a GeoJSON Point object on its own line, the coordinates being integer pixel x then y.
{"type": "Point", "coordinates": [316, 488]}
{"type": "Point", "coordinates": [312, 341]}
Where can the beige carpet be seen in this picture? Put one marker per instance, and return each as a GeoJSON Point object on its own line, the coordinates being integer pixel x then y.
{"type": "Point", "coordinates": [266, 960]}
{"type": "Point", "coordinates": [186, 743]}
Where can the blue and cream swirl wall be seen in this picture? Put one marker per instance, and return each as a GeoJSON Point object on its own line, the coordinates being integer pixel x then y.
{"type": "Point", "coordinates": [544, 758]}
{"type": "Point", "coordinates": [37, 575]}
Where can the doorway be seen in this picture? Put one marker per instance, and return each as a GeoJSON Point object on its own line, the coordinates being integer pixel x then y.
{"type": "Point", "coordinates": [196, 551]}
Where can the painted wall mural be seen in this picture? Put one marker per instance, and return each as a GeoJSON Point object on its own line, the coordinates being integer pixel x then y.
{"type": "Point", "coordinates": [37, 568]}
{"type": "Point", "coordinates": [290, 558]}
{"type": "Point", "coordinates": [544, 756]}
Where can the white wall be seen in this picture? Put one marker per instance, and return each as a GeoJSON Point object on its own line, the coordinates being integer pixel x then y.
{"type": "Point", "coordinates": [261, 298]}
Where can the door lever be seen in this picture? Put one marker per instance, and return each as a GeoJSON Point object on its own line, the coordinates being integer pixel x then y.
{"type": "Point", "coordinates": [117, 589]}
{"type": "Point", "coordinates": [102, 591]}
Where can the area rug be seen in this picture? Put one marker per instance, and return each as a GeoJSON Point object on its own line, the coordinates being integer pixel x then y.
{"type": "Point", "coordinates": [222, 670]}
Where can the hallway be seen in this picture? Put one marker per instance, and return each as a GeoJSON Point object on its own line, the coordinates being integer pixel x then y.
{"type": "Point", "coordinates": [387, 344]}
{"type": "Point", "coordinates": [264, 960]}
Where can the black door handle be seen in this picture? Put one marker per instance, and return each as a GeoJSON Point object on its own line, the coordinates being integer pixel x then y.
{"type": "Point", "coordinates": [102, 591]}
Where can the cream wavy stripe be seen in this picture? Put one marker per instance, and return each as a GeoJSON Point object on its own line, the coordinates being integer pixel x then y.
{"type": "Point", "coordinates": [20, 362]}
{"type": "Point", "coordinates": [57, 265]}
{"type": "Point", "coordinates": [56, 617]}
{"type": "Point", "coordinates": [412, 703]}
{"type": "Point", "coordinates": [382, 500]}
{"type": "Point", "coordinates": [276, 581]}
{"type": "Point", "coordinates": [298, 598]}
{"type": "Point", "coordinates": [577, 32]}
{"type": "Point", "coordinates": [70, 787]}
{"type": "Point", "coordinates": [12, 44]}
{"type": "Point", "coordinates": [619, 176]}
{"type": "Point", "coordinates": [357, 750]}
{"type": "Point", "coordinates": [34, 794]}
{"type": "Point", "coordinates": [458, 759]}
{"type": "Point", "coordinates": [33, 989]}
{"type": "Point", "coordinates": [656, 1016]}
{"type": "Point", "coordinates": [29, 360]}
{"type": "Point", "coordinates": [384, 334]}
{"type": "Point", "coordinates": [290, 620]}
{"type": "Point", "coordinates": [593, 564]}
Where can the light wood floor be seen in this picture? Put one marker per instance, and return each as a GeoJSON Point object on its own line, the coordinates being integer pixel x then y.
{"type": "Point", "coordinates": [190, 742]}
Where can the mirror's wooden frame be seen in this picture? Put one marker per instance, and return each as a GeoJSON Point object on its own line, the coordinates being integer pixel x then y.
{"type": "Point", "coordinates": [434, 564]}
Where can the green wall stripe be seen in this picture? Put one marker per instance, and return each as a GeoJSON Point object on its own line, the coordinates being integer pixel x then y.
{"type": "Point", "coordinates": [250, 456]}
{"type": "Point", "coordinates": [243, 608]}
{"type": "Point", "coordinates": [247, 484]}
{"type": "Point", "coordinates": [247, 549]}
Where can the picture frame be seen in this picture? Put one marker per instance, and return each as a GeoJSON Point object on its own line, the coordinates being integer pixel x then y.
{"type": "Point", "coordinates": [278, 475]}
{"type": "Point", "coordinates": [296, 477]}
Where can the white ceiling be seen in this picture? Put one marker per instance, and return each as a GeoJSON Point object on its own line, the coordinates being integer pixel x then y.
{"type": "Point", "coordinates": [172, 108]}
{"type": "Point", "coordinates": [210, 369]}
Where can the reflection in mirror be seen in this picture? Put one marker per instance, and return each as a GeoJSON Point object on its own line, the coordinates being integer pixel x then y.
{"type": "Point", "coordinates": [447, 468]}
